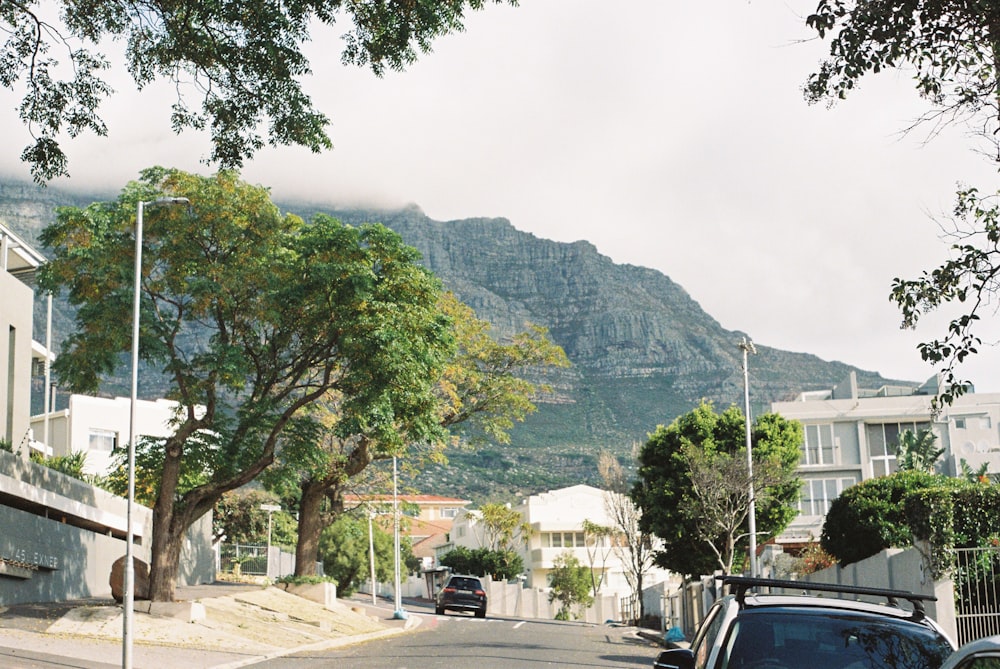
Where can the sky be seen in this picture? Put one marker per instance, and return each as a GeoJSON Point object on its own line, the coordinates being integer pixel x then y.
{"type": "Point", "coordinates": [671, 135]}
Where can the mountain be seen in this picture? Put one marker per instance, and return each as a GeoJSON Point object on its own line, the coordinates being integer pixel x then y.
{"type": "Point", "coordinates": [642, 350]}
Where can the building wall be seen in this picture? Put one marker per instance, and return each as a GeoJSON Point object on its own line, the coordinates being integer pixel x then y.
{"type": "Point", "coordinates": [15, 358]}
{"type": "Point", "coordinates": [968, 429]}
{"type": "Point", "coordinates": [70, 430]}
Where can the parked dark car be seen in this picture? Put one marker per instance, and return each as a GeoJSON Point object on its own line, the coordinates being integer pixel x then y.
{"type": "Point", "coordinates": [462, 593]}
{"type": "Point", "coordinates": [753, 629]}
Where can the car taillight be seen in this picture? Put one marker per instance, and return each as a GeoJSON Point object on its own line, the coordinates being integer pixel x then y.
{"type": "Point", "coordinates": [449, 589]}
{"type": "Point", "coordinates": [480, 593]}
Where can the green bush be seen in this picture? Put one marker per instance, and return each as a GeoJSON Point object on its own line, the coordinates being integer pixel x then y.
{"type": "Point", "coordinates": [500, 565]}
{"type": "Point", "coordinates": [871, 516]}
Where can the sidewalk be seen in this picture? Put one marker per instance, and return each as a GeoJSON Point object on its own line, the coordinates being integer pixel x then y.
{"type": "Point", "coordinates": [243, 625]}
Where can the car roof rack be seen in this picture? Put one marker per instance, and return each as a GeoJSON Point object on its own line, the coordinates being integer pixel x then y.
{"type": "Point", "coordinates": [740, 585]}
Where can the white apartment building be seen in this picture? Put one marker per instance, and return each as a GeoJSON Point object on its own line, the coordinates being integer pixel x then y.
{"type": "Point", "coordinates": [100, 425]}
{"type": "Point", "coordinates": [556, 520]}
{"type": "Point", "coordinates": [18, 263]}
{"type": "Point", "coordinates": [851, 435]}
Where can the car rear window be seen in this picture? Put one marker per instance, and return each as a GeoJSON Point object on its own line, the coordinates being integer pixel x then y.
{"type": "Point", "coordinates": [460, 583]}
{"type": "Point", "coordinates": [797, 639]}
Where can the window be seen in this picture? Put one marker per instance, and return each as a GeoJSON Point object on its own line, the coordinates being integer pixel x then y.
{"type": "Point", "coordinates": [818, 495]}
{"type": "Point", "coordinates": [563, 540]}
{"type": "Point", "coordinates": [104, 441]}
{"type": "Point", "coordinates": [883, 438]}
{"type": "Point", "coordinates": [818, 446]}
{"type": "Point", "coordinates": [960, 423]}
{"type": "Point", "coordinates": [449, 512]}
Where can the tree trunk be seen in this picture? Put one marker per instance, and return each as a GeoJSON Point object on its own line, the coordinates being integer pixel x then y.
{"type": "Point", "coordinates": [167, 538]}
{"type": "Point", "coordinates": [310, 528]}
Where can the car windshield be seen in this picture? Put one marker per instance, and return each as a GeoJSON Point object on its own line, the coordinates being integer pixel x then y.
{"type": "Point", "coordinates": [829, 640]}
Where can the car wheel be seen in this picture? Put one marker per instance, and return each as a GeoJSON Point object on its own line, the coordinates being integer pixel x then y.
{"type": "Point", "coordinates": [480, 613]}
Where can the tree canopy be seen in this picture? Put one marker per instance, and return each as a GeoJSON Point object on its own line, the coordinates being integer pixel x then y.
{"type": "Point", "coordinates": [952, 47]}
{"type": "Point", "coordinates": [251, 316]}
{"type": "Point", "coordinates": [952, 50]}
{"type": "Point", "coordinates": [237, 67]}
{"type": "Point", "coordinates": [693, 485]}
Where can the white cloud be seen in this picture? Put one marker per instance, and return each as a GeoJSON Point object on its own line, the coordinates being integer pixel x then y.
{"type": "Point", "coordinates": [670, 135]}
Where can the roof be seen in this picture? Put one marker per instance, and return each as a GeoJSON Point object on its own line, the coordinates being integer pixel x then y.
{"type": "Point", "coordinates": [411, 499]}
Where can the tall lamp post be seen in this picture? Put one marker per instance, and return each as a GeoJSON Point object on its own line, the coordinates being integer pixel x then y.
{"type": "Point", "coordinates": [128, 584]}
{"type": "Point", "coordinates": [270, 508]}
{"type": "Point", "coordinates": [399, 613]}
{"type": "Point", "coordinates": [747, 347]}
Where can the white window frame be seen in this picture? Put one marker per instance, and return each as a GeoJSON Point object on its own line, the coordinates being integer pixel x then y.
{"type": "Point", "coordinates": [97, 436]}
{"type": "Point", "coordinates": [822, 452]}
{"type": "Point", "coordinates": [828, 490]}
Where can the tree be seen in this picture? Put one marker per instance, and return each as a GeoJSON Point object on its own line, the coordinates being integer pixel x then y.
{"type": "Point", "coordinates": [502, 527]}
{"type": "Point", "coordinates": [634, 546]}
{"type": "Point", "coordinates": [871, 516]}
{"type": "Point", "coordinates": [953, 48]}
{"type": "Point", "coordinates": [916, 451]}
{"type": "Point", "coordinates": [483, 387]}
{"type": "Point", "coordinates": [598, 541]}
{"type": "Point", "coordinates": [345, 556]}
{"type": "Point", "coordinates": [693, 485]}
{"type": "Point", "coordinates": [252, 316]}
{"type": "Point", "coordinates": [500, 565]}
{"type": "Point", "coordinates": [239, 518]}
{"type": "Point", "coordinates": [570, 583]}
{"type": "Point", "coordinates": [969, 280]}
{"type": "Point", "coordinates": [235, 68]}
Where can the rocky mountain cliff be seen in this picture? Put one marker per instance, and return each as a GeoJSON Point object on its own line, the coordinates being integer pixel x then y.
{"type": "Point", "coordinates": [642, 350]}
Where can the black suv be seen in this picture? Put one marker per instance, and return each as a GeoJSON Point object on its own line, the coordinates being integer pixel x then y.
{"type": "Point", "coordinates": [464, 593]}
{"type": "Point", "coordinates": [750, 629]}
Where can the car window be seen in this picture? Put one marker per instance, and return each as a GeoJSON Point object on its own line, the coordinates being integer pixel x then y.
{"type": "Point", "coordinates": [460, 583]}
{"type": "Point", "coordinates": [701, 646]}
{"type": "Point", "coordinates": [798, 639]}
{"type": "Point", "coordinates": [992, 662]}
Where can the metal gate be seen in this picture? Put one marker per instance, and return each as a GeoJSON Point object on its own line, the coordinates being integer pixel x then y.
{"type": "Point", "coordinates": [977, 592]}
{"type": "Point", "coordinates": [243, 559]}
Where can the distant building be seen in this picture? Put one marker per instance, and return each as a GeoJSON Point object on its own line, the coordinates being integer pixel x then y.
{"type": "Point", "coordinates": [851, 435]}
{"type": "Point", "coordinates": [556, 520]}
{"type": "Point", "coordinates": [427, 519]}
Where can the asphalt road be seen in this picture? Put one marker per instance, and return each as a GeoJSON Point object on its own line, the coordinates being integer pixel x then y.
{"type": "Point", "coordinates": [460, 641]}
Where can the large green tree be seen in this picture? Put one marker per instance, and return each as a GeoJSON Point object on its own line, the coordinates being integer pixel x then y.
{"type": "Point", "coordinates": [569, 583]}
{"type": "Point", "coordinates": [237, 67]}
{"type": "Point", "coordinates": [484, 388]}
{"type": "Point", "coordinates": [251, 316]}
{"type": "Point", "coordinates": [693, 485]}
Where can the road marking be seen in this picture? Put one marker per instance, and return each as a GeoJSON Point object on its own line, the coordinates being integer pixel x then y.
{"type": "Point", "coordinates": [520, 623]}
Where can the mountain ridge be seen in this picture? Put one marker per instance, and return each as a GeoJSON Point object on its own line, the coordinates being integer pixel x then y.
{"type": "Point", "coordinates": [642, 349]}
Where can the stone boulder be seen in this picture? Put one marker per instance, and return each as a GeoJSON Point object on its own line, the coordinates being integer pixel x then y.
{"type": "Point", "coordinates": [117, 580]}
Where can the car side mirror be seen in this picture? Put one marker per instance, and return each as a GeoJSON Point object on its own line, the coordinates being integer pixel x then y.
{"type": "Point", "coordinates": [677, 658]}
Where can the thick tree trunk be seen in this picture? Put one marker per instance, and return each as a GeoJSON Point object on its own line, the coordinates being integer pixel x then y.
{"type": "Point", "coordinates": [167, 540]}
{"type": "Point", "coordinates": [310, 528]}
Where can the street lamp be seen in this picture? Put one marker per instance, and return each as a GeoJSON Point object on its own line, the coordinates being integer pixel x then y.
{"type": "Point", "coordinates": [270, 508]}
{"type": "Point", "coordinates": [747, 347]}
{"type": "Point", "coordinates": [399, 613]}
{"type": "Point", "coordinates": [371, 551]}
{"type": "Point", "coordinates": [128, 585]}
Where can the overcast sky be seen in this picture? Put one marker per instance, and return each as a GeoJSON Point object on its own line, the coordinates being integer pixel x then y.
{"type": "Point", "coordinates": [671, 135]}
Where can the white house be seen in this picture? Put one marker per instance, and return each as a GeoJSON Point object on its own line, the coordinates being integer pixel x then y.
{"type": "Point", "coordinates": [100, 425]}
{"type": "Point", "coordinates": [556, 520]}
{"type": "Point", "coordinates": [851, 435]}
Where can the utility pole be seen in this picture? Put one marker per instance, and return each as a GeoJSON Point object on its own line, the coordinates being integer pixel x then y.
{"type": "Point", "coordinates": [747, 347]}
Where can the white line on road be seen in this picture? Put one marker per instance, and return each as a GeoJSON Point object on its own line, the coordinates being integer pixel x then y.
{"type": "Point", "coordinates": [520, 623]}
